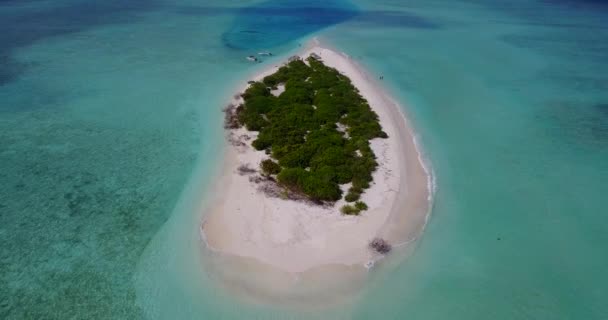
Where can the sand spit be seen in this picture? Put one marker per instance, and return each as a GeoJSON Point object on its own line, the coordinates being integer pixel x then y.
{"type": "Point", "coordinates": [269, 245]}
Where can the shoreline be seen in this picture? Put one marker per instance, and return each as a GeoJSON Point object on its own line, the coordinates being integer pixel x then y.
{"type": "Point", "coordinates": [400, 201]}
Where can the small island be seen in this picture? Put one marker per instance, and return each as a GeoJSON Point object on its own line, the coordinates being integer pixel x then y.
{"type": "Point", "coordinates": [321, 174]}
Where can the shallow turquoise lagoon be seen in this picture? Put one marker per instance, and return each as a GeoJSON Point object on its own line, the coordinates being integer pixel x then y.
{"type": "Point", "coordinates": [110, 136]}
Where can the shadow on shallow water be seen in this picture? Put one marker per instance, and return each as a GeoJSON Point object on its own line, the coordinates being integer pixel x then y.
{"type": "Point", "coordinates": [273, 23]}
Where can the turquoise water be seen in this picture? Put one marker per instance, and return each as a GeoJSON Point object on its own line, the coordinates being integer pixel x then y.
{"type": "Point", "coordinates": [110, 132]}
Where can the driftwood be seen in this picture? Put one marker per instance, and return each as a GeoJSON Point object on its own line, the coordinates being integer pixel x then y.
{"type": "Point", "coordinates": [256, 179]}
{"type": "Point", "coordinates": [235, 141]}
{"type": "Point", "coordinates": [244, 169]}
{"type": "Point", "coordinates": [228, 107]}
{"type": "Point", "coordinates": [271, 188]}
{"type": "Point", "coordinates": [231, 119]}
{"type": "Point", "coordinates": [380, 245]}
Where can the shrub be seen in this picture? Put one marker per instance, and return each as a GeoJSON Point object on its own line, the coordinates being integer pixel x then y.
{"type": "Point", "coordinates": [319, 187]}
{"type": "Point", "coordinates": [349, 210]}
{"type": "Point", "coordinates": [310, 155]}
{"type": "Point", "coordinates": [360, 183]}
{"type": "Point", "coordinates": [292, 178]}
{"type": "Point", "coordinates": [270, 167]}
{"type": "Point", "coordinates": [352, 196]}
{"type": "Point", "coordinates": [354, 189]}
{"type": "Point", "coordinates": [360, 205]}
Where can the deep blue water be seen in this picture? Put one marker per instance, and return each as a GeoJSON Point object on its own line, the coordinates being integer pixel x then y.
{"type": "Point", "coordinates": [25, 22]}
{"type": "Point", "coordinates": [272, 23]}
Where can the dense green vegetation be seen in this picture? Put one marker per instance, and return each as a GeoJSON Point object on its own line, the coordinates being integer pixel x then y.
{"type": "Point", "coordinates": [270, 167]}
{"type": "Point", "coordinates": [299, 129]}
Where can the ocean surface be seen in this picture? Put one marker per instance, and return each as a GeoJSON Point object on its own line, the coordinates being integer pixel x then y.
{"type": "Point", "coordinates": [111, 135]}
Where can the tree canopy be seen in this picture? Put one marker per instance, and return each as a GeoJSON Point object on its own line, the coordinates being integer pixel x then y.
{"type": "Point", "coordinates": [318, 130]}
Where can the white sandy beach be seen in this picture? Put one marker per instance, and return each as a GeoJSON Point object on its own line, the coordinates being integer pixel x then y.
{"type": "Point", "coordinates": [296, 237]}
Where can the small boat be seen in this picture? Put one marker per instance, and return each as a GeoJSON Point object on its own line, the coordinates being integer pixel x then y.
{"type": "Point", "coordinates": [252, 58]}
{"type": "Point", "coordinates": [265, 53]}
{"type": "Point", "coordinates": [315, 56]}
